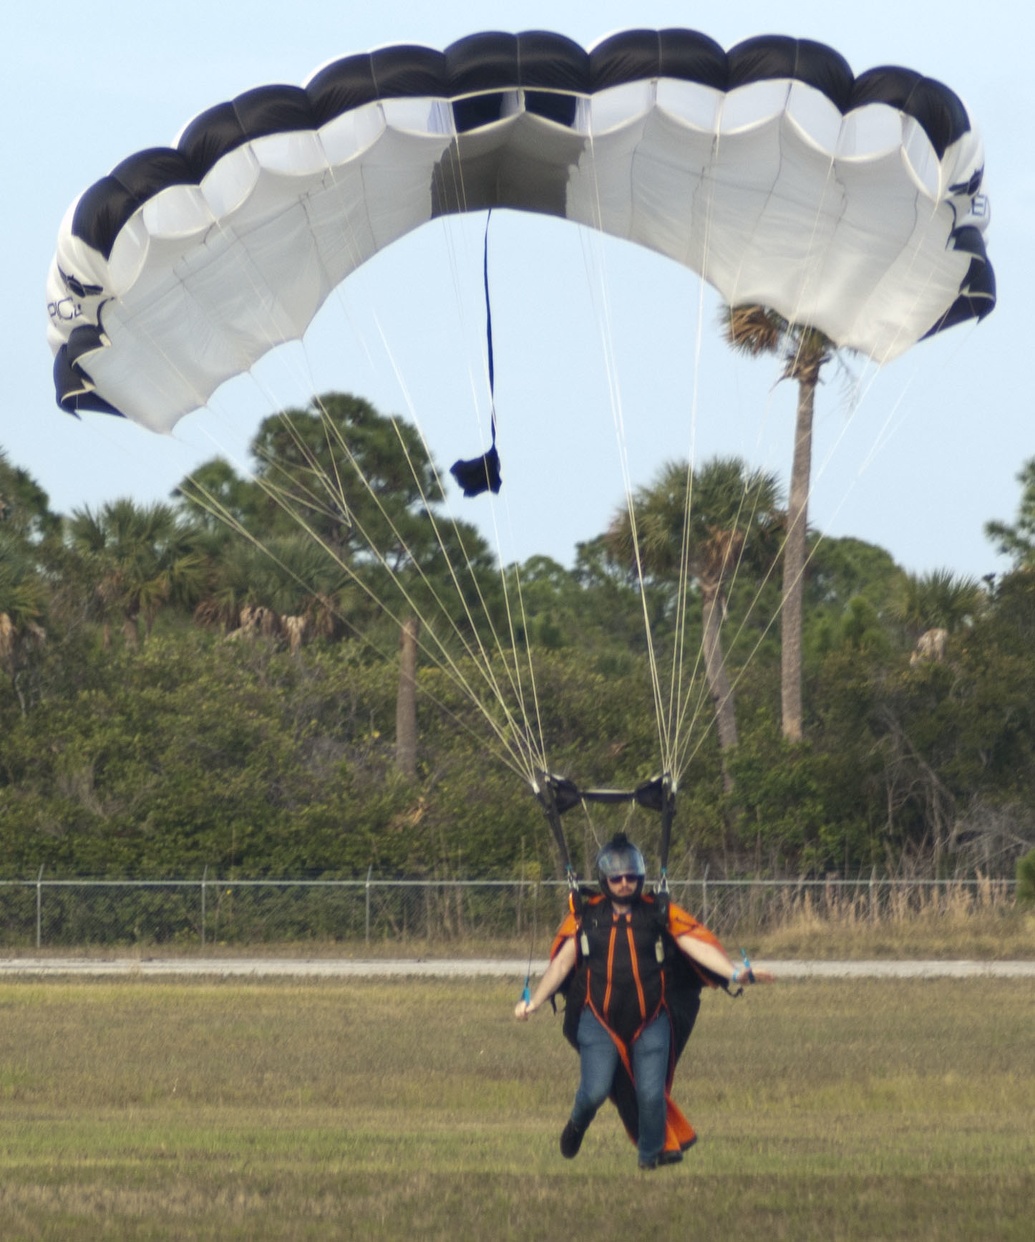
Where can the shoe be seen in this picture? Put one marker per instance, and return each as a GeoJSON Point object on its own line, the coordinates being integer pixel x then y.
{"type": "Point", "coordinates": [571, 1140]}
{"type": "Point", "coordinates": [663, 1158]}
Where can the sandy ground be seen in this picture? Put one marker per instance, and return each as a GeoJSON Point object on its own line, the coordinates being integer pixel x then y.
{"type": "Point", "coordinates": [441, 969]}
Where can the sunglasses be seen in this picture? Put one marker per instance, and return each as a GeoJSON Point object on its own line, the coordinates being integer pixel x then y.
{"type": "Point", "coordinates": [617, 879]}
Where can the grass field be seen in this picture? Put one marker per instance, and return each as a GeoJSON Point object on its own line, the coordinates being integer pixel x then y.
{"type": "Point", "coordinates": [356, 1110]}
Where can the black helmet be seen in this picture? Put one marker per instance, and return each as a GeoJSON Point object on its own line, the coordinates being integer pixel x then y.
{"type": "Point", "coordinates": [620, 857]}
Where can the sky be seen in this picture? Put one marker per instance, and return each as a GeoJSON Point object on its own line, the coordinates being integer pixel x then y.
{"type": "Point", "coordinates": [608, 359]}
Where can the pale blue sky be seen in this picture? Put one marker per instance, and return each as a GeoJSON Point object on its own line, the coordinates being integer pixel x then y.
{"type": "Point", "coordinates": [915, 458]}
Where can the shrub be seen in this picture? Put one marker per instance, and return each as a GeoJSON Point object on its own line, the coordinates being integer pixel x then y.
{"type": "Point", "coordinates": [1026, 879]}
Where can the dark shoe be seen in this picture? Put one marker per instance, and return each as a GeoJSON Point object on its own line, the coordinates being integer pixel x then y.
{"type": "Point", "coordinates": [663, 1158]}
{"type": "Point", "coordinates": [571, 1140]}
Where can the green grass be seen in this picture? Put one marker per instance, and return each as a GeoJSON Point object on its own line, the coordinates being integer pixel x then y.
{"type": "Point", "coordinates": [251, 1110]}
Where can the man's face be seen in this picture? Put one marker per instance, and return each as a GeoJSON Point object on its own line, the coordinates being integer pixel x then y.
{"type": "Point", "coordinates": [623, 886]}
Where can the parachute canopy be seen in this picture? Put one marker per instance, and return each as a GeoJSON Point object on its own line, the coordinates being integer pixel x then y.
{"type": "Point", "coordinates": [852, 204]}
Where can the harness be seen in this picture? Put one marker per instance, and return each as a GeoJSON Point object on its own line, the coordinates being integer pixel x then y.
{"type": "Point", "coordinates": [625, 964]}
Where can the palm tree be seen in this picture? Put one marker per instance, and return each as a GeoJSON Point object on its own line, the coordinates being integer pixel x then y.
{"type": "Point", "coordinates": [757, 330]}
{"type": "Point", "coordinates": [935, 605]}
{"type": "Point", "coordinates": [696, 525]}
{"type": "Point", "coordinates": [288, 580]}
{"type": "Point", "coordinates": [22, 602]}
{"type": "Point", "coordinates": [136, 560]}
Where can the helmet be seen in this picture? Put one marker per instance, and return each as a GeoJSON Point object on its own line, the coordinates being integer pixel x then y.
{"type": "Point", "coordinates": [620, 857]}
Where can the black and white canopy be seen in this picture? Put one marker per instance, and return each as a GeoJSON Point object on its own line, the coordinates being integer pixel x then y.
{"type": "Point", "coordinates": [853, 204]}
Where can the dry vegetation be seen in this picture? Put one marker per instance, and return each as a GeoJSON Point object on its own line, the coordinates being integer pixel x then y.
{"type": "Point", "coordinates": [955, 921]}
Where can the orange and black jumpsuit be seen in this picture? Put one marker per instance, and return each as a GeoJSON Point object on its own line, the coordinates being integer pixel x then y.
{"type": "Point", "coordinates": [628, 972]}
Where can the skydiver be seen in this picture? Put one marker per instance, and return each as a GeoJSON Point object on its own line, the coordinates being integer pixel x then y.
{"type": "Point", "coordinates": [632, 965]}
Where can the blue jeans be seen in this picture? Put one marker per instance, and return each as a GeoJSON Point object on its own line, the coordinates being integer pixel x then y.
{"type": "Point", "coordinates": [599, 1060]}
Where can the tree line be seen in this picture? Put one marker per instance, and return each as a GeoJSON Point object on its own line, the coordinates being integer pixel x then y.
{"type": "Point", "coordinates": [220, 680]}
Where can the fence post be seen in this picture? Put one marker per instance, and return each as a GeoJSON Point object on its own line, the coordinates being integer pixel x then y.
{"type": "Point", "coordinates": [39, 909]}
{"type": "Point", "coordinates": [204, 878]}
{"type": "Point", "coordinates": [367, 899]}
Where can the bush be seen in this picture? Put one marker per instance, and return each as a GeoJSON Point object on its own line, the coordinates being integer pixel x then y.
{"type": "Point", "coordinates": [1026, 879]}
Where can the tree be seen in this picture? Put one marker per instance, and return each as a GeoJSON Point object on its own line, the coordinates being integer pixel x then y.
{"type": "Point", "coordinates": [935, 605]}
{"type": "Point", "coordinates": [756, 330]}
{"type": "Point", "coordinates": [24, 505]}
{"type": "Point", "coordinates": [360, 481]}
{"type": "Point", "coordinates": [136, 559]}
{"type": "Point", "coordinates": [26, 524]}
{"type": "Point", "coordinates": [1018, 540]}
{"type": "Point", "coordinates": [219, 500]}
{"type": "Point", "coordinates": [406, 700]}
{"type": "Point", "coordinates": [696, 526]}
{"type": "Point", "coordinates": [23, 597]}
{"type": "Point", "coordinates": [289, 579]}
{"type": "Point", "coordinates": [356, 493]}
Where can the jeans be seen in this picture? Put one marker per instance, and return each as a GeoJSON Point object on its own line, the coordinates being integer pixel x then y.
{"type": "Point", "coordinates": [599, 1060]}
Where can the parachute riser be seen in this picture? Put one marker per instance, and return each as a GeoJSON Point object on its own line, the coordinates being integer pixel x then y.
{"type": "Point", "coordinates": [668, 815]}
{"type": "Point", "coordinates": [543, 789]}
{"type": "Point", "coordinates": [557, 794]}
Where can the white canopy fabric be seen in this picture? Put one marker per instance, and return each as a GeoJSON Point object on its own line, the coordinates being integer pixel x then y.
{"type": "Point", "coordinates": [852, 205]}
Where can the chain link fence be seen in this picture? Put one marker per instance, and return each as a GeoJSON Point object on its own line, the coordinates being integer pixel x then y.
{"type": "Point", "coordinates": [83, 913]}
